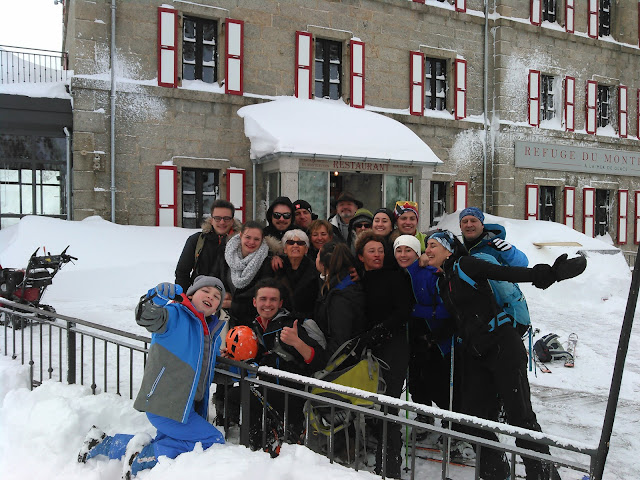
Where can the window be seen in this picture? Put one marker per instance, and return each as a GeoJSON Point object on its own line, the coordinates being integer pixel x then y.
{"type": "Point", "coordinates": [438, 201]}
{"type": "Point", "coordinates": [547, 208]}
{"type": "Point", "coordinates": [199, 190]}
{"type": "Point", "coordinates": [199, 49]}
{"type": "Point", "coordinates": [328, 69]}
{"type": "Point", "coordinates": [547, 98]}
{"type": "Point", "coordinates": [604, 105]}
{"type": "Point", "coordinates": [603, 210]}
{"type": "Point", "coordinates": [549, 10]}
{"type": "Point", "coordinates": [604, 18]}
{"type": "Point", "coordinates": [435, 86]}
{"type": "Point", "coordinates": [32, 177]}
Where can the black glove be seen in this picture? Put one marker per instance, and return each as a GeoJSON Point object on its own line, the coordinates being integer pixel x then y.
{"type": "Point", "coordinates": [376, 336]}
{"type": "Point", "coordinates": [543, 276]}
{"type": "Point", "coordinates": [564, 269]}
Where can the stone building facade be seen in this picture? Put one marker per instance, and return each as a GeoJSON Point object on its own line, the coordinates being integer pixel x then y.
{"type": "Point", "coordinates": [531, 106]}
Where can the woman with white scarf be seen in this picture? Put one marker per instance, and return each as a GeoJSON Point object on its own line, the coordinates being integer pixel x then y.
{"type": "Point", "coordinates": [247, 261]}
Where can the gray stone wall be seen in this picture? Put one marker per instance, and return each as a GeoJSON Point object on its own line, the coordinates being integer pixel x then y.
{"type": "Point", "coordinates": [156, 124]}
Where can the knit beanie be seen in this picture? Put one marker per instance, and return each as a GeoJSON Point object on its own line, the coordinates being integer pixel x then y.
{"type": "Point", "coordinates": [405, 206]}
{"type": "Point", "coordinates": [361, 215]}
{"type": "Point", "coordinates": [409, 241]}
{"type": "Point", "coordinates": [444, 238]}
{"type": "Point", "coordinates": [204, 281]}
{"type": "Point", "coordinates": [388, 213]}
{"type": "Point", "coordinates": [474, 212]}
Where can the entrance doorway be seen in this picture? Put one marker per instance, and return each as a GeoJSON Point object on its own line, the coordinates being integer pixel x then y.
{"type": "Point", "coordinates": [365, 187]}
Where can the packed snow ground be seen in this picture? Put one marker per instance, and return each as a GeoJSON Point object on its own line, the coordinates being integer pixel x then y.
{"type": "Point", "coordinates": [42, 430]}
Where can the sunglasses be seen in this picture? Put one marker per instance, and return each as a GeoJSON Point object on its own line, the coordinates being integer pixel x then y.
{"type": "Point", "coordinates": [278, 215]}
{"type": "Point", "coordinates": [302, 243]}
{"type": "Point", "coordinates": [362, 225]}
{"type": "Point", "coordinates": [219, 219]}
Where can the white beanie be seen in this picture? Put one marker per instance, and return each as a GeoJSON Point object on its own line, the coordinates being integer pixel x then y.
{"type": "Point", "coordinates": [409, 241]}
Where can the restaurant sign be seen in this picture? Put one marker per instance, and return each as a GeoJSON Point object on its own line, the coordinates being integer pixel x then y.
{"type": "Point", "coordinates": [570, 158]}
{"type": "Point", "coordinates": [355, 166]}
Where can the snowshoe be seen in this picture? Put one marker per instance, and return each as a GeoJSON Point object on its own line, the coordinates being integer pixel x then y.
{"type": "Point", "coordinates": [94, 437]}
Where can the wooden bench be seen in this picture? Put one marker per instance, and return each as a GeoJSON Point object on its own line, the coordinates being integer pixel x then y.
{"type": "Point", "coordinates": [557, 244]}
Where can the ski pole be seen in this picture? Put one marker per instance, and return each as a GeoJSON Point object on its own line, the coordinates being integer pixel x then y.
{"type": "Point", "coordinates": [448, 453]}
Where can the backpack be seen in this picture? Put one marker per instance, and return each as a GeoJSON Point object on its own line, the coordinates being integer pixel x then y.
{"type": "Point", "coordinates": [549, 348]}
{"type": "Point", "coordinates": [510, 301]}
{"type": "Point", "coordinates": [352, 365]}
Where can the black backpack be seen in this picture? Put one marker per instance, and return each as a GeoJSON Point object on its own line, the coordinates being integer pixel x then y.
{"type": "Point", "coordinates": [549, 348]}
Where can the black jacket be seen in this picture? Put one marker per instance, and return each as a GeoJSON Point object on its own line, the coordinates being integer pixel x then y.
{"type": "Point", "coordinates": [302, 286]}
{"type": "Point", "coordinates": [473, 308]}
{"type": "Point", "coordinates": [389, 298]}
{"type": "Point", "coordinates": [242, 311]}
{"type": "Point", "coordinates": [276, 354]}
{"type": "Point", "coordinates": [210, 262]}
{"type": "Point", "coordinates": [340, 312]}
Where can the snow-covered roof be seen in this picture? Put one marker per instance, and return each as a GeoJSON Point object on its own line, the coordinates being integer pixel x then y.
{"type": "Point", "coordinates": [322, 127]}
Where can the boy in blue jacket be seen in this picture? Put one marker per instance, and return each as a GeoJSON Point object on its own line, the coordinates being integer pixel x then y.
{"type": "Point", "coordinates": [175, 388]}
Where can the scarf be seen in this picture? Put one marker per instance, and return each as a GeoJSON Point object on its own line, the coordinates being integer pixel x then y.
{"type": "Point", "coordinates": [243, 269]}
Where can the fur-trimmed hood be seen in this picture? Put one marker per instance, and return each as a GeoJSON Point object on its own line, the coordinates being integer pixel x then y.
{"type": "Point", "coordinates": [275, 245]}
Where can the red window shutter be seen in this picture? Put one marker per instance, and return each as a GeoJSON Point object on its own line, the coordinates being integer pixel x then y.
{"type": "Point", "coordinates": [592, 104]}
{"type": "Point", "coordinates": [531, 202]}
{"type": "Point", "coordinates": [535, 7]}
{"type": "Point", "coordinates": [460, 97]}
{"type": "Point", "coordinates": [569, 12]}
{"type": "Point", "coordinates": [461, 5]}
{"type": "Point", "coordinates": [416, 83]}
{"type": "Point", "coordinates": [167, 47]}
{"type": "Point", "coordinates": [622, 111]}
{"type": "Point", "coordinates": [623, 206]}
{"type": "Point", "coordinates": [569, 104]}
{"type": "Point", "coordinates": [357, 73]}
{"type": "Point", "coordinates": [166, 195]}
{"type": "Point", "coordinates": [460, 190]}
{"type": "Point", "coordinates": [592, 21]}
{"type": "Point", "coordinates": [236, 191]}
{"type": "Point", "coordinates": [636, 222]}
{"type": "Point", "coordinates": [588, 210]}
{"type": "Point", "coordinates": [418, 1]}
{"type": "Point", "coordinates": [534, 98]}
{"type": "Point", "coordinates": [569, 206]}
{"type": "Point", "coordinates": [304, 44]}
{"type": "Point", "coordinates": [234, 56]}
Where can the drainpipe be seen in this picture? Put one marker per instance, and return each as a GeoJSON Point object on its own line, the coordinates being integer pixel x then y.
{"type": "Point", "coordinates": [253, 201]}
{"type": "Point", "coordinates": [68, 176]}
{"type": "Point", "coordinates": [113, 111]}
{"type": "Point", "coordinates": [485, 99]}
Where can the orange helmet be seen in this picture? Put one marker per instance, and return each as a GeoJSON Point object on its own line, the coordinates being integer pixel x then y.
{"type": "Point", "coordinates": [242, 343]}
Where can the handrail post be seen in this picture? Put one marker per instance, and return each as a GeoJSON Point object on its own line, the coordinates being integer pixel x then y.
{"type": "Point", "coordinates": [71, 353]}
{"type": "Point", "coordinates": [245, 401]}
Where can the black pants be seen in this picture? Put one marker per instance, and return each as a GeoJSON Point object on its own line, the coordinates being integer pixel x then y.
{"type": "Point", "coordinates": [395, 353]}
{"type": "Point", "coordinates": [429, 374]}
{"type": "Point", "coordinates": [500, 373]}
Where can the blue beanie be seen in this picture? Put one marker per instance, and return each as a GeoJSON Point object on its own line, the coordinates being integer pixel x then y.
{"type": "Point", "coordinates": [444, 238]}
{"type": "Point", "coordinates": [474, 212]}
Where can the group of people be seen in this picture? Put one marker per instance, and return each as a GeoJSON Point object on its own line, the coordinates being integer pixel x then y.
{"type": "Point", "coordinates": [305, 286]}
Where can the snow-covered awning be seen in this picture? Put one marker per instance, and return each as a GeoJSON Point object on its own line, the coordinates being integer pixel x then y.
{"type": "Point", "coordinates": [329, 128]}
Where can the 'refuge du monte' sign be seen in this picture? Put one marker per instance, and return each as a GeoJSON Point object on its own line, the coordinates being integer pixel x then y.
{"type": "Point", "coordinates": [570, 158]}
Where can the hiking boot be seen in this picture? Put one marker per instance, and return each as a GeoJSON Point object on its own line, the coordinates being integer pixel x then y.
{"type": "Point", "coordinates": [94, 437]}
{"type": "Point", "coordinates": [425, 436]}
{"type": "Point", "coordinates": [543, 471]}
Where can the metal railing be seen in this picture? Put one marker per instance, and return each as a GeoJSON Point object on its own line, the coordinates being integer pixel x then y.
{"type": "Point", "coordinates": [71, 350]}
{"type": "Point", "coordinates": [32, 65]}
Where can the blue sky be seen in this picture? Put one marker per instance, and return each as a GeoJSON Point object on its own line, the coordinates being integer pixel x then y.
{"type": "Point", "coordinates": [31, 23]}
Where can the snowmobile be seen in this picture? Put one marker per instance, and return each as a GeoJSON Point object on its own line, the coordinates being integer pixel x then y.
{"type": "Point", "coordinates": [26, 286]}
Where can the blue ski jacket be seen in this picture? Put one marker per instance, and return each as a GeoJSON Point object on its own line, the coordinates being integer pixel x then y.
{"type": "Point", "coordinates": [510, 258]}
{"type": "Point", "coordinates": [429, 310]}
{"type": "Point", "coordinates": [175, 362]}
